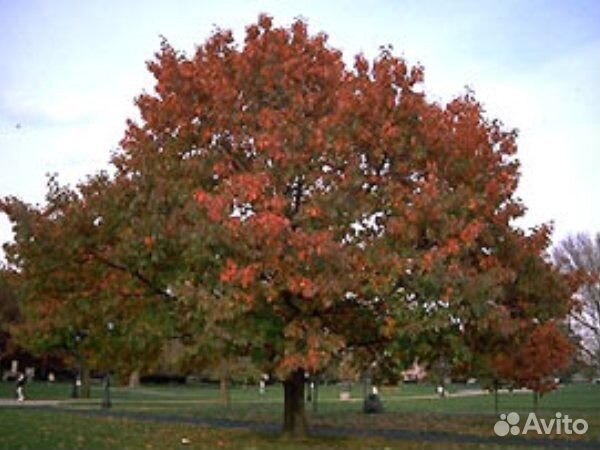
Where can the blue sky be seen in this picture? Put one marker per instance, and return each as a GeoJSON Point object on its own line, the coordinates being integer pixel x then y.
{"type": "Point", "coordinates": [70, 69]}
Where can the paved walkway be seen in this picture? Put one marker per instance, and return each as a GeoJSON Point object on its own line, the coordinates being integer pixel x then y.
{"type": "Point", "coordinates": [31, 403]}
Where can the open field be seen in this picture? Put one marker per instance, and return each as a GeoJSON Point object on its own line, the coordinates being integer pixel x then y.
{"type": "Point", "coordinates": [156, 417]}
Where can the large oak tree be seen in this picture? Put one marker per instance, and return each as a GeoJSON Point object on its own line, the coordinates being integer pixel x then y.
{"type": "Point", "coordinates": [288, 207]}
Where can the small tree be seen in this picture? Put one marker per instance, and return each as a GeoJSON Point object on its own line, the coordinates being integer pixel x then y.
{"type": "Point", "coordinates": [75, 299]}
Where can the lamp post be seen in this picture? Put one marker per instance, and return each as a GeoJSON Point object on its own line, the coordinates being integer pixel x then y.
{"type": "Point", "coordinates": [78, 337]}
{"type": "Point", "coordinates": [106, 401]}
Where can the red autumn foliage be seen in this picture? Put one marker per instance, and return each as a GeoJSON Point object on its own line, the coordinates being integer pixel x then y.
{"type": "Point", "coordinates": [319, 181]}
{"type": "Point", "coordinates": [301, 209]}
{"type": "Point", "coordinates": [538, 361]}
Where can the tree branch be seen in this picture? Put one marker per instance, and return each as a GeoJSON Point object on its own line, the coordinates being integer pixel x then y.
{"type": "Point", "coordinates": [595, 329]}
{"type": "Point", "coordinates": [297, 196]}
{"type": "Point", "coordinates": [135, 274]}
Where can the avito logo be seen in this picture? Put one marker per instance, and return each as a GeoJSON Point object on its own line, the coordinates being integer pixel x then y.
{"type": "Point", "coordinates": [560, 424]}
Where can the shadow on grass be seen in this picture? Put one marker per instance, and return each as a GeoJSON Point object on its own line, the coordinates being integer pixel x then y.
{"type": "Point", "coordinates": [271, 429]}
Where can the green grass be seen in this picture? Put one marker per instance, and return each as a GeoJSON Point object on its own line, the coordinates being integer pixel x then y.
{"type": "Point", "coordinates": [580, 399]}
{"type": "Point", "coordinates": [406, 408]}
{"type": "Point", "coordinates": [23, 429]}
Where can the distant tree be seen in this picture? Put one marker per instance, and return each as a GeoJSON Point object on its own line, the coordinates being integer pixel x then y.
{"type": "Point", "coordinates": [580, 254]}
{"type": "Point", "coordinates": [10, 313]}
{"type": "Point", "coordinates": [73, 302]}
{"type": "Point", "coordinates": [535, 364]}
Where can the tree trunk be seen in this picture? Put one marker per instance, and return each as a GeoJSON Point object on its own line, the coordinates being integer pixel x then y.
{"type": "Point", "coordinates": [85, 380]}
{"type": "Point", "coordinates": [106, 401]}
{"type": "Point", "coordinates": [496, 400]}
{"type": "Point", "coordinates": [315, 396]}
{"type": "Point", "coordinates": [224, 391]}
{"type": "Point", "coordinates": [294, 423]}
{"type": "Point", "coordinates": [134, 379]}
{"type": "Point", "coordinates": [496, 387]}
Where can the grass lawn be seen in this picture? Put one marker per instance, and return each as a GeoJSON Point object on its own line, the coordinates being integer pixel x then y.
{"type": "Point", "coordinates": [33, 430]}
{"type": "Point", "coordinates": [409, 408]}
